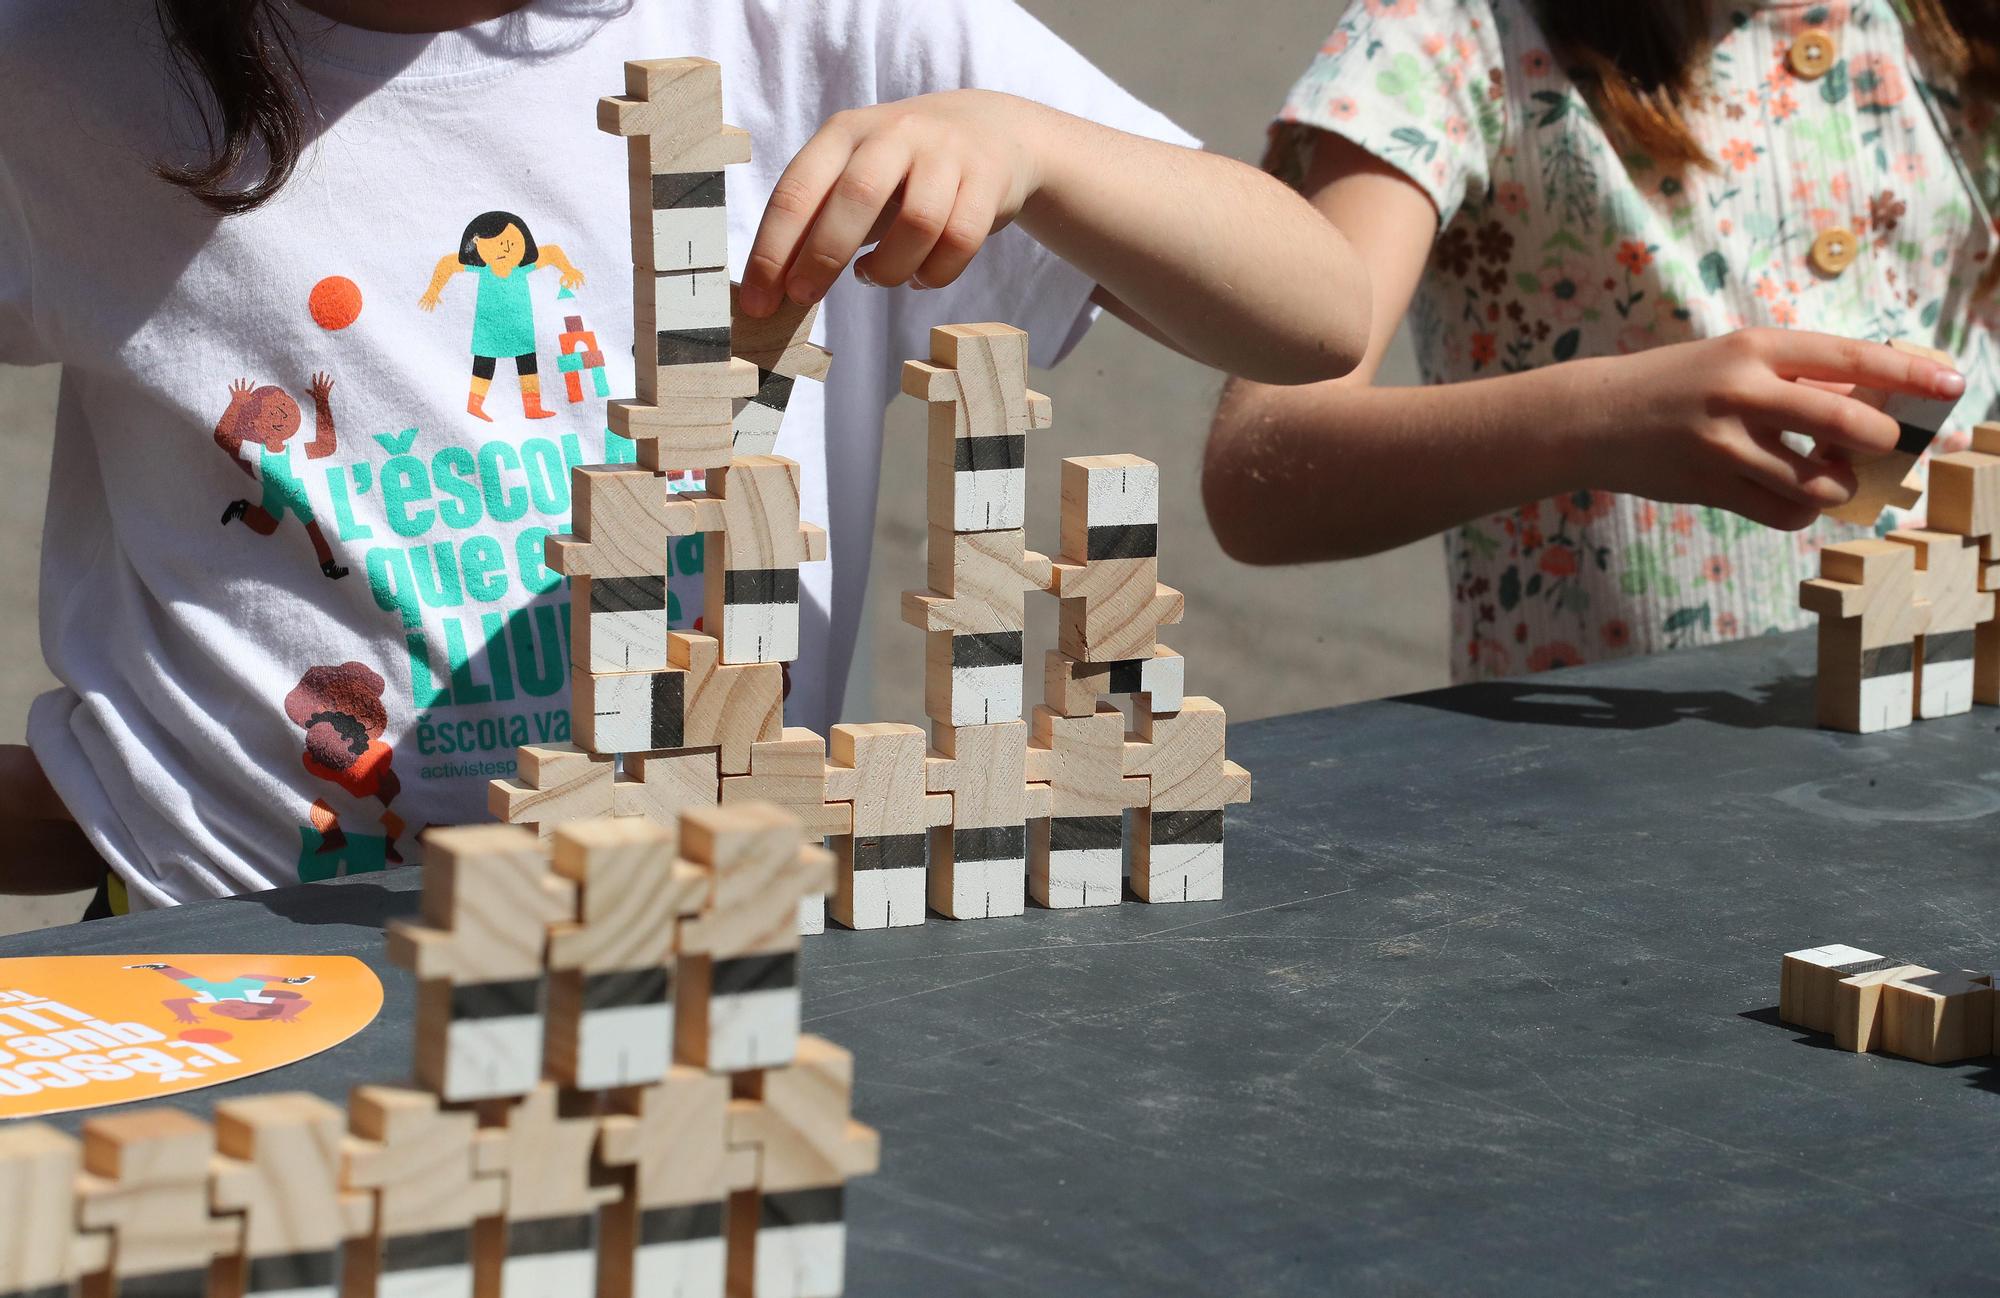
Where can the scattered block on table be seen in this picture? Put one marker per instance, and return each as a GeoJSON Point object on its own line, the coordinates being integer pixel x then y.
{"type": "Point", "coordinates": [880, 868]}
{"type": "Point", "coordinates": [1948, 586]}
{"type": "Point", "coordinates": [1870, 617]}
{"type": "Point", "coordinates": [1940, 1018]}
{"type": "Point", "coordinates": [543, 1154]}
{"type": "Point", "coordinates": [479, 958]}
{"type": "Point", "coordinates": [1857, 1001]}
{"type": "Point", "coordinates": [421, 1165]}
{"type": "Point", "coordinates": [1156, 684]}
{"type": "Point", "coordinates": [1076, 856]}
{"type": "Point", "coordinates": [611, 1007]}
{"type": "Point", "coordinates": [41, 1251]}
{"type": "Point", "coordinates": [729, 707]}
{"type": "Point", "coordinates": [669, 1144]}
{"type": "Point", "coordinates": [146, 1182]}
{"type": "Point", "coordinates": [737, 1001]}
{"type": "Point", "coordinates": [556, 783]}
{"type": "Point", "coordinates": [659, 786]}
{"type": "Point", "coordinates": [788, 1235]}
{"type": "Point", "coordinates": [1880, 482]}
{"type": "Point", "coordinates": [1108, 576]}
{"type": "Point", "coordinates": [976, 384]}
{"type": "Point", "coordinates": [1177, 835]}
{"type": "Point", "coordinates": [278, 1172]}
{"type": "Point", "coordinates": [753, 575]}
{"type": "Point", "coordinates": [1810, 980]}
{"type": "Point", "coordinates": [979, 862]}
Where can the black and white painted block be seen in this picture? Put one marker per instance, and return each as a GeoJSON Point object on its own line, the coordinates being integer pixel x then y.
{"type": "Point", "coordinates": [625, 1033]}
{"type": "Point", "coordinates": [635, 712]}
{"type": "Point", "coordinates": [1122, 510]}
{"type": "Point", "coordinates": [628, 624]}
{"type": "Point", "coordinates": [554, 1257]}
{"type": "Point", "coordinates": [682, 1253]}
{"type": "Point", "coordinates": [1946, 687]}
{"type": "Point", "coordinates": [990, 484]}
{"type": "Point", "coordinates": [753, 1012]}
{"type": "Point", "coordinates": [986, 678]}
{"type": "Point", "coordinates": [1888, 686]}
{"type": "Point", "coordinates": [1086, 861]}
{"type": "Point", "coordinates": [161, 1284]}
{"type": "Point", "coordinates": [291, 1275]}
{"type": "Point", "coordinates": [890, 884]}
{"type": "Point", "coordinates": [1920, 419]}
{"type": "Point", "coordinates": [690, 222]}
{"type": "Point", "coordinates": [1161, 680]}
{"type": "Point", "coordinates": [802, 1244]}
{"type": "Point", "coordinates": [760, 615]}
{"type": "Point", "coordinates": [1179, 857]}
{"type": "Point", "coordinates": [437, 1264]}
{"type": "Point", "coordinates": [691, 317]}
{"type": "Point", "coordinates": [493, 1045]}
{"type": "Point", "coordinates": [989, 872]}
{"type": "Point", "coordinates": [759, 419]}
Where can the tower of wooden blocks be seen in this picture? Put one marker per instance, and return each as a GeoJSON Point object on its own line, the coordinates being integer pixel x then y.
{"type": "Point", "coordinates": [597, 1145]}
{"type": "Point", "coordinates": [1879, 482]}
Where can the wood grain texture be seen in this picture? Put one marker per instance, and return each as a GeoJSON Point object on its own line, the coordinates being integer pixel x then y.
{"type": "Point", "coordinates": [39, 1166]}
{"type": "Point", "coordinates": [556, 783]}
{"type": "Point", "coordinates": [146, 1182]}
{"type": "Point", "coordinates": [490, 895]}
{"type": "Point", "coordinates": [419, 1161]}
{"type": "Point", "coordinates": [729, 707]}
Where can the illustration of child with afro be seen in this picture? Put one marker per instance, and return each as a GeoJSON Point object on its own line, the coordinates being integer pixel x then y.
{"type": "Point", "coordinates": [268, 417]}
{"type": "Point", "coordinates": [247, 997]}
{"type": "Point", "coordinates": [498, 248]}
{"type": "Point", "coordinates": [341, 711]}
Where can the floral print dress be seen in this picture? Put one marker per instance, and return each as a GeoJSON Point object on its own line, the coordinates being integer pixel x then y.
{"type": "Point", "coordinates": [1553, 246]}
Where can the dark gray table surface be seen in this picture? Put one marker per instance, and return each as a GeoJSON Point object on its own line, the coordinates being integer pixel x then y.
{"type": "Point", "coordinates": [1489, 1008]}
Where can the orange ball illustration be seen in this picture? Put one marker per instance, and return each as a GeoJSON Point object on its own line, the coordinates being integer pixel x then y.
{"type": "Point", "coordinates": [335, 302]}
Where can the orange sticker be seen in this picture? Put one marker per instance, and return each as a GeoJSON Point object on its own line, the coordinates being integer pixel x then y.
{"type": "Point", "coordinates": [82, 1032]}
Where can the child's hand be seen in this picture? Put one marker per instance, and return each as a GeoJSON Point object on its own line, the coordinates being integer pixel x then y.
{"type": "Point", "coordinates": [322, 387]}
{"type": "Point", "coordinates": [926, 180]}
{"type": "Point", "coordinates": [572, 278]}
{"type": "Point", "coordinates": [1700, 422]}
{"type": "Point", "coordinates": [238, 390]}
{"type": "Point", "coordinates": [429, 301]}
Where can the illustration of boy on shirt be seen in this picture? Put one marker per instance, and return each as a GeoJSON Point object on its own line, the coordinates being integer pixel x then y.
{"type": "Point", "coordinates": [343, 716]}
{"type": "Point", "coordinates": [268, 417]}
{"type": "Point", "coordinates": [500, 250]}
{"type": "Point", "coordinates": [246, 997]}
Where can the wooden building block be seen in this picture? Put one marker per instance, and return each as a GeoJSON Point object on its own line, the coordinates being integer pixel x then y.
{"type": "Point", "coordinates": [1940, 1018]}
{"type": "Point", "coordinates": [1870, 615]}
{"type": "Point", "coordinates": [420, 1164]}
{"type": "Point", "coordinates": [675, 102]}
{"type": "Point", "coordinates": [146, 1182]}
{"type": "Point", "coordinates": [680, 222]}
{"type": "Point", "coordinates": [557, 783]}
{"type": "Point", "coordinates": [611, 1008]}
{"type": "Point", "coordinates": [1965, 491]}
{"type": "Point", "coordinates": [790, 772]}
{"type": "Point", "coordinates": [1880, 482]}
{"type": "Point", "coordinates": [278, 1170]}
{"type": "Point", "coordinates": [544, 1155]}
{"type": "Point", "coordinates": [689, 380]}
{"type": "Point", "coordinates": [1073, 688]}
{"type": "Point", "coordinates": [1857, 1000]}
{"type": "Point", "coordinates": [781, 343]}
{"type": "Point", "coordinates": [1177, 850]}
{"type": "Point", "coordinates": [1810, 979]}
{"type": "Point", "coordinates": [1110, 508]}
{"type": "Point", "coordinates": [979, 862]}
{"type": "Point", "coordinates": [880, 870]}
{"type": "Point", "coordinates": [978, 582]}
{"type": "Point", "coordinates": [620, 521]}
{"type": "Point", "coordinates": [980, 413]}
{"type": "Point", "coordinates": [729, 707]}
{"type": "Point", "coordinates": [629, 712]}
{"type": "Point", "coordinates": [40, 1250]}
{"type": "Point", "coordinates": [688, 432]}
{"type": "Point", "coordinates": [659, 786]}
{"type": "Point", "coordinates": [1113, 609]}
{"type": "Point", "coordinates": [1948, 571]}
{"type": "Point", "coordinates": [619, 624]}
{"type": "Point", "coordinates": [753, 586]}
{"type": "Point", "coordinates": [1076, 857]}
{"type": "Point", "coordinates": [665, 1233]}
{"type": "Point", "coordinates": [973, 680]}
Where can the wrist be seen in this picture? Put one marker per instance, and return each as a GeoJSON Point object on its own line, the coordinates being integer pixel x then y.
{"type": "Point", "coordinates": [1582, 436]}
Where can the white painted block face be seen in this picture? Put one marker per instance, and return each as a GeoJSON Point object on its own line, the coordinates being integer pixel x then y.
{"type": "Point", "coordinates": [491, 1058]}
{"type": "Point", "coordinates": [1164, 679]}
{"type": "Point", "coordinates": [694, 299]}
{"type": "Point", "coordinates": [690, 238]}
{"type": "Point", "coordinates": [694, 1269]}
{"type": "Point", "coordinates": [1920, 412]}
{"type": "Point", "coordinates": [628, 641]}
{"type": "Point", "coordinates": [812, 916]}
{"type": "Point", "coordinates": [1832, 957]}
{"type": "Point", "coordinates": [549, 1275]}
{"type": "Point", "coordinates": [989, 889]}
{"type": "Point", "coordinates": [753, 1030]}
{"type": "Point", "coordinates": [989, 500]}
{"type": "Point", "coordinates": [1185, 872]}
{"type": "Point", "coordinates": [985, 696]}
{"type": "Point", "coordinates": [622, 713]}
{"type": "Point", "coordinates": [888, 898]}
{"type": "Point", "coordinates": [1087, 877]}
{"type": "Point", "coordinates": [630, 1045]}
{"type": "Point", "coordinates": [757, 427]}
{"type": "Point", "coordinates": [1886, 702]}
{"type": "Point", "coordinates": [802, 1261]}
{"type": "Point", "coordinates": [1947, 689]}
{"type": "Point", "coordinates": [427, 1282]}
{"type": "Point", "coordinates": [1124, 497]}
{"type": "Point", "coordinates": [760, 633]}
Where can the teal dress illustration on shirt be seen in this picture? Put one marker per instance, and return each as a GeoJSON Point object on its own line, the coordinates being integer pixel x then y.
{"type": "Point", "coordinates": [503, 318]}
{"type": "Point", "coordinates": [498, 249]}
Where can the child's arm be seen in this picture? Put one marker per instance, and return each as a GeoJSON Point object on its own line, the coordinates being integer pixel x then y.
{"type": "Point", "coordinates": [325, 438]}
{"type": "Point", "coordinates": [47, 853]}
{"type": "Point", "coordinates": [1201, 252]}
{"type": "Point", "coordinates": [572, 278]}
{"type": "Point", "coordinates": [1344, 469]}
{"type": "Point", "coordinates": [448, 265]}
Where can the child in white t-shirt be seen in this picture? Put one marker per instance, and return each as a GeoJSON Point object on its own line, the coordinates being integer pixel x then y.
{"type": "Point", "coordinates": [406, 627]}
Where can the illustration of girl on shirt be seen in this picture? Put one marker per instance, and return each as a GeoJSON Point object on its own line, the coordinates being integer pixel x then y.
{"type": "Point", "coordinates": [268, 417]}
{"type": "Point", "coordinates": [341, 711]}
{"type": "Point", "coordinates": [498, 248]}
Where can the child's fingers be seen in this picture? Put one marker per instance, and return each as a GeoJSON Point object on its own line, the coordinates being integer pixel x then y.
{"type": "Point", "coordinates": [857, 200]}
{"type": "Point", "coordinates": [1799, 355]}
{"type": "Point", "coordinates": [929, 195]}
{"type": "Point", "coordinates": [1827, 417]}
{"type": "Point", "coordinates": [1769, 463]}
{"type": "Point", "coordinates": [964, 234]}
{"type": "Point", "coordinates": [1760, 505]}
{"type": "Point", "coordinates": [795, 203]}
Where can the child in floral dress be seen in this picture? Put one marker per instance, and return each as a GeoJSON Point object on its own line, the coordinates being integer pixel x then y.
{"type": "Point", "coordinates": [1839, 178]}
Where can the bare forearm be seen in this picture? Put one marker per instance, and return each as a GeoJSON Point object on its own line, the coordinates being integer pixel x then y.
{"type": "Point", "coordinates": [1219, 259]}
{"type": "Point", "coordinates": [1343, 470]}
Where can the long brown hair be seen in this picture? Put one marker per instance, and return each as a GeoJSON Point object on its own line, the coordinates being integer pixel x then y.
{"type": "Point", "coordinates": [238, 61]}
{"type": "Point", "coordinates": [1639, 64]}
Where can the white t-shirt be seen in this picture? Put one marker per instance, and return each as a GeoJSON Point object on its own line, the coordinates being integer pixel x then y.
{"type": "Point", "coordinates": [179, 638]}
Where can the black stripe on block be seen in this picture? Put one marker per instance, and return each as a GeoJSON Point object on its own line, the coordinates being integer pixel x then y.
{"type": "Point", "coordinates": [692, 346]}
{"type": "Point", "coordinates": [168, 1284]}
{"type": "Point", "coordinates": [1891, 660]}
{"type": "Point", "coordinates": [628, 594]}
{"type": "Point", "coordinates": [1913, 440]}
{"type": "Point", "coordinates": [59, 1290]}
{"type": "Point", "coordinates": [802, 1208]}
{"type": "Point", "coordinates": [688, 189]}
{"type": "Point", "coordinates": [669, 709]}
{"type": "Point", "coordinates": [996, 649]}
{"type": "Point", "coordinates": [1001, 843]}
{"type": "Point", "coordinates": [1085, 833]}
{"type": "Point", "coordinates": [547, 1235]}
{"type": "Point", "coordinates": [292, 1271]}
{"type": "Point", "coordinates": [1876, 965]}
{"type": "Point", "coordinates": [510, 999]}
{"type": "Point", "coordinates": [681, 1224]}
{"type": "Point", "coordinates": [773, 390]}
{"type": "Point", "coordinates": [761, 586]}
{"type": "Point", "coordinates": [1124, 677]}
{"type": "Point", "coordinates": [1951, 647]}
{"type": "Point", "coordinates": [891, 851]}
{"type": "Point", "coordinates": [1125, 541]}
{"type": "Point", "coordinates": [981, 454]}
{"type": "Point", "coordinates": [1187, 827]}
{"type": "Point", "coordinates": [754, 973]}
{"type": "Point", "coordinates": [626, 988]}
{"type": "Point", "coordinates": [436, 1248]}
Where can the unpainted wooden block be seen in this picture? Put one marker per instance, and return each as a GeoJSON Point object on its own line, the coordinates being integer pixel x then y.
{"type": "Point", "coordinates": [1940, 1018]}
{"type": "Point", "coordinates": [420, 1164]}
{"type": "Point", "coordinates": [978, 863]}
{"type": "Point", "coordinates": [1857, 1001]}
{"type": "Point", "coordinates": [1870, 615]}
{"type": "Point", "coordinates": [780, 343]}
{"type": "Point", "coordinates": [620, 521]}
{"type": "Point", "coordinates": [729, 707]}
{"type": "Point", "coordinates": [40, 1250]}
{"type": "Point", "coordinates": [1965, 490]}
{"type": "Point", "coordinates": [489, 897]}
{"type": "Point", "coordinates": [758, 870]}
{"type": "Point", "coordinates": [790, 772]}
{"type": "Point", "coordinates": [659, 786]}
{"type": "Point", "coordinates": [278, 1170]}
{"type": "Point", "coordinates": [146, 1182]}
{"type": "Point", "coordinates": [978, 583]}
{"type": "Point", "coordinates": [1810, 979]}
{"type": "Point", "coordinates": [683, 434]}
{"type": "Point", "coordinates": [801, 1124]}
{"type": "Point", "coordinates": [556, 783]}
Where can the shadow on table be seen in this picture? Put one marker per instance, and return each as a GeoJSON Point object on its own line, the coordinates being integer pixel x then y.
{"type": "Point", "coordinates": [364, 905]}
{"type": "Point", "coordinates": [1768, 1016]}
{"type": "Point", "coordinates": [1786, 702]}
